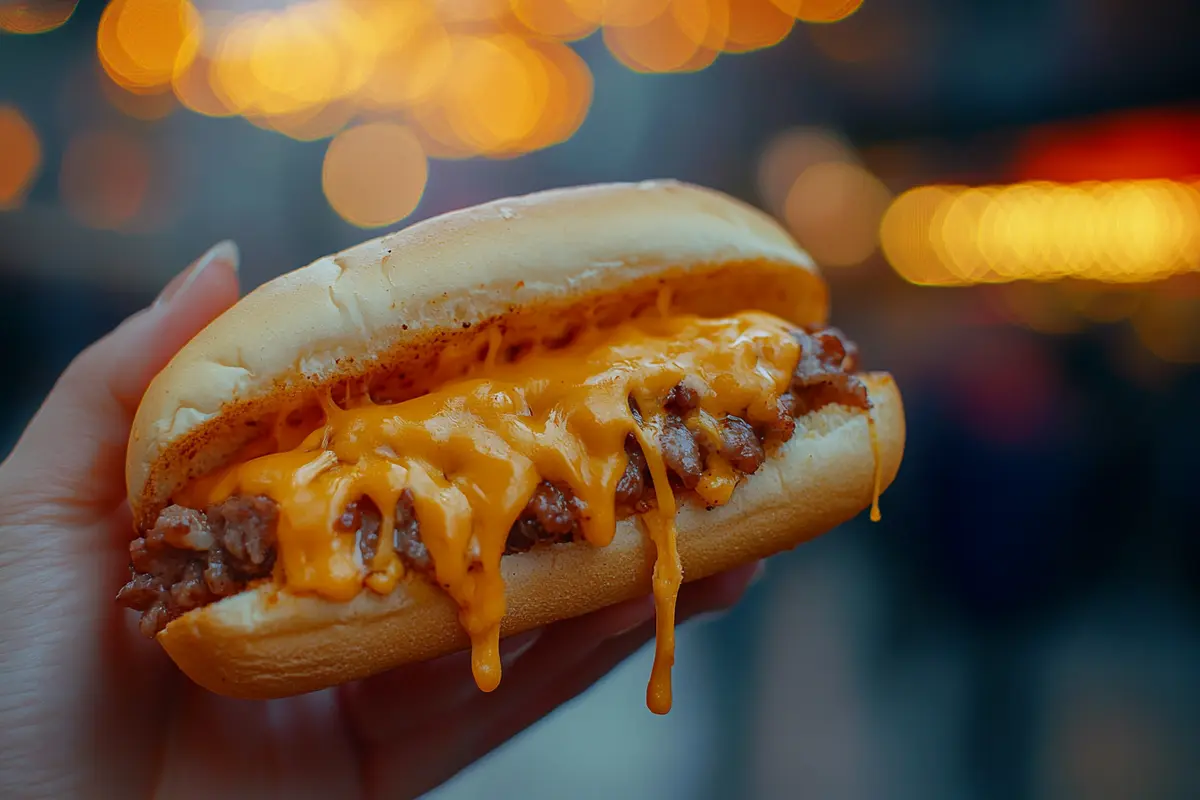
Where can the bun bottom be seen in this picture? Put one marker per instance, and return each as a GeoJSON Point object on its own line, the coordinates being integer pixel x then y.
{"type": "Point", "coordinates": [265, 643]}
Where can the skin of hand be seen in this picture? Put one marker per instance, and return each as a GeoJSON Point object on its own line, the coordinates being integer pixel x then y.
{"type": "Point", "coordinates": [89, 708]}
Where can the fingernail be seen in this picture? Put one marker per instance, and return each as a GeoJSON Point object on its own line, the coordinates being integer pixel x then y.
{"type": "Point", "coordinates": [225, 252]}
{"type": "Point", "coordinates": [517, 645]}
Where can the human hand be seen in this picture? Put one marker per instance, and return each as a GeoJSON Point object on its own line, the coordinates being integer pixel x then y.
{"type": "Point", "coordinates": [90, 708]}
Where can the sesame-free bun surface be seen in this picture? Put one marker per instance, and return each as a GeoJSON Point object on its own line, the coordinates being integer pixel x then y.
{"type": "Point", "coordinates": [518, 263]}
{"type": "Point", "coordinates": [266, 643]}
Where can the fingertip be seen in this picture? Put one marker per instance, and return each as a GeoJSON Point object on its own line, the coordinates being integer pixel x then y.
{"type": "Point", "coordinates": [223, 258]}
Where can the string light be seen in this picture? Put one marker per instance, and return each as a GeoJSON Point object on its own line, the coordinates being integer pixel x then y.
{"type": "Point", "coordinates": [1110, 232]}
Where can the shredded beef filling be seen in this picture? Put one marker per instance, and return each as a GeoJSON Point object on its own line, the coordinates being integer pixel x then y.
{"type": "Point", "coordinates": [192, 558]}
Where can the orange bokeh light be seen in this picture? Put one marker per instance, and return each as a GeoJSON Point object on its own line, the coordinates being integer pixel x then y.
{"type": "Point", "coordinates": [35, 16]}
{"type": "Point", "coordinates": [22, 157]}
{"type": "Point", "coordinates": [141, 43]}
{"type": "Point", "coordinates": [904, 236]}
{"type": "Point", "coordinates": [556, 19]}
{"type": "Point", "coordinates": [195, 90]}
{"type": "Point", "coordinates": [569, 95]}
{"type": "Point", "coordinates": [310, 124]}
{"type": "Point", "coordinates": [619, 13]}
{"type": "Point", "coordinates": [413, 61]}
{"type": "Point", "coordinates": [104, 178]}
{"type": "Point", "coordinates": [755, 24]}
{"type": "Point", "coordinates": [496, 93]}
{"type": "Point", "coordinates": [686, 37]}
{"type": "Point", "coordinates": [819, 10]}
{"type": "Point", "coordinates": [834, 209]}
{"type": "Point", "coordinates": [792, 152]}
{"type": "Point", "coordinates": [374, 174]}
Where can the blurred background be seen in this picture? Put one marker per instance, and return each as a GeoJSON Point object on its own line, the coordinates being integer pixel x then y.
{"type": "Point", "coordinates": [1005, 197]}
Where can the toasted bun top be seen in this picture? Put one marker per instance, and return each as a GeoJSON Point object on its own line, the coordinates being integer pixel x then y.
{"type": "Point", "coordinates": [519, 265]}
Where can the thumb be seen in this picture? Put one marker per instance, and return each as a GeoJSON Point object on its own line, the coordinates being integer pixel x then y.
{"type": "Point", "coordinates": [73, 450]}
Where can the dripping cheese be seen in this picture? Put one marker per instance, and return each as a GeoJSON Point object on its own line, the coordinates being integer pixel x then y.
{"type": "Point", "coordinates": [471, 454]}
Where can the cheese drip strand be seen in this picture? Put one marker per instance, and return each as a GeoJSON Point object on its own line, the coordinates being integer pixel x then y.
{"type": "Point", "coordinates": [473, 452]}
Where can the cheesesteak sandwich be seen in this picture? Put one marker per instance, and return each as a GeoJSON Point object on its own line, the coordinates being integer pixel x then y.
{"type": "Point", "coordinates": [495, 419]}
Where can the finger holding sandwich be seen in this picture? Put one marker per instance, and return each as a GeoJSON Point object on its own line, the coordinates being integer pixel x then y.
{"type": "Point", "coordinates": [489, 422]}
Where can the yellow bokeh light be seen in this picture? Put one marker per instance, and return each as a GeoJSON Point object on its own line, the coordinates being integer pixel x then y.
{"type": "Point", "coordinates": [496, 93]}
{"type": "Point", "coordinates": [905, 236]}
{"type": "Point", "coordinates": [22, 157]}
{"type": "Point", "coordinates": [104, 178]}
{"type": "Point", "coordinates": [374, 174]}
{"type": "Point", "coordinates": [35, 16]}
{"type": "Point", "coordinates": [557, 19]}
{"type": "Point", "coordinates": [755, 24]}
{"type": "Point", "coordinates": [955, 235]}
{"type": "Point", "coordinates": [569, 95]}
{"type": "Point", "coordinates": [141, 43]}
{"type": "Point", "coordinates": [1119, 232]}
{"type": "Point", "coordinates": [834, 209]}
{"type": "Point", "coordinates": [293, 64]}
{"type": "Point", "coordinates": [412, 64]}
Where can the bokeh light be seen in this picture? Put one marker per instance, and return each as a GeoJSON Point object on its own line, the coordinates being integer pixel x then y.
{"type": "Point", "coordinates": [104, 178]}
{"type": "Point", "coordinates": [618, 13]}
{"type": "Point", "coordinates": [905, 236]}
{"type": "Point", "coordinates": [755, 24]}
{"type": "Point", "coordinates": [685, 37]}
{"type": "Point", "coordinates": [1168, 325]}
{"type": "Point", "coordinates": [1112, 232]}
{"type": "Point", "coordinates": [819, 10]}
{"type": "Point", "coordinates": [558, 19]}
{"type": "Point", "coordinates": [792, 152]}
{"type": "Point", "coordinates": [496, 92]}
{"type": "Point", "coordinates": [35, 16]}
{"type": "Point", "coordinates": [414, 57]}
{"type": "Point", "coordinates": [492, 78]}
{"type": "Point", "coordinates": [194, 88]}
{"type": "Point", "coordinates": [22, 157]}
{"type": "Point", "coordinates": [834, 209]}
{"type": "Point", "coordinates": [141, 43]}
{"type": "Point", "coordinates": [374, 174]}
{"type": "Point", "coordinates": [310, 124]}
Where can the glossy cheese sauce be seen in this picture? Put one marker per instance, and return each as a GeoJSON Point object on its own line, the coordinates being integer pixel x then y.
{"type": "Point", "coordinates": [472, 453]}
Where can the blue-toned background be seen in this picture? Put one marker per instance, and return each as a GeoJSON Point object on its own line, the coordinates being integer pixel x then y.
{"type": "Point", "coordinates": [1023, 623]}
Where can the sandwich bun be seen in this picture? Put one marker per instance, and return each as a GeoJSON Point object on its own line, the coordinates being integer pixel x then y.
{"type": "Point", "coordinates": [511, 269]}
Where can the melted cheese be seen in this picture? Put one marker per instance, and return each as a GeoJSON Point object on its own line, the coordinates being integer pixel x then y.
{"type": "Point", "coordinates": [473, 452]}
